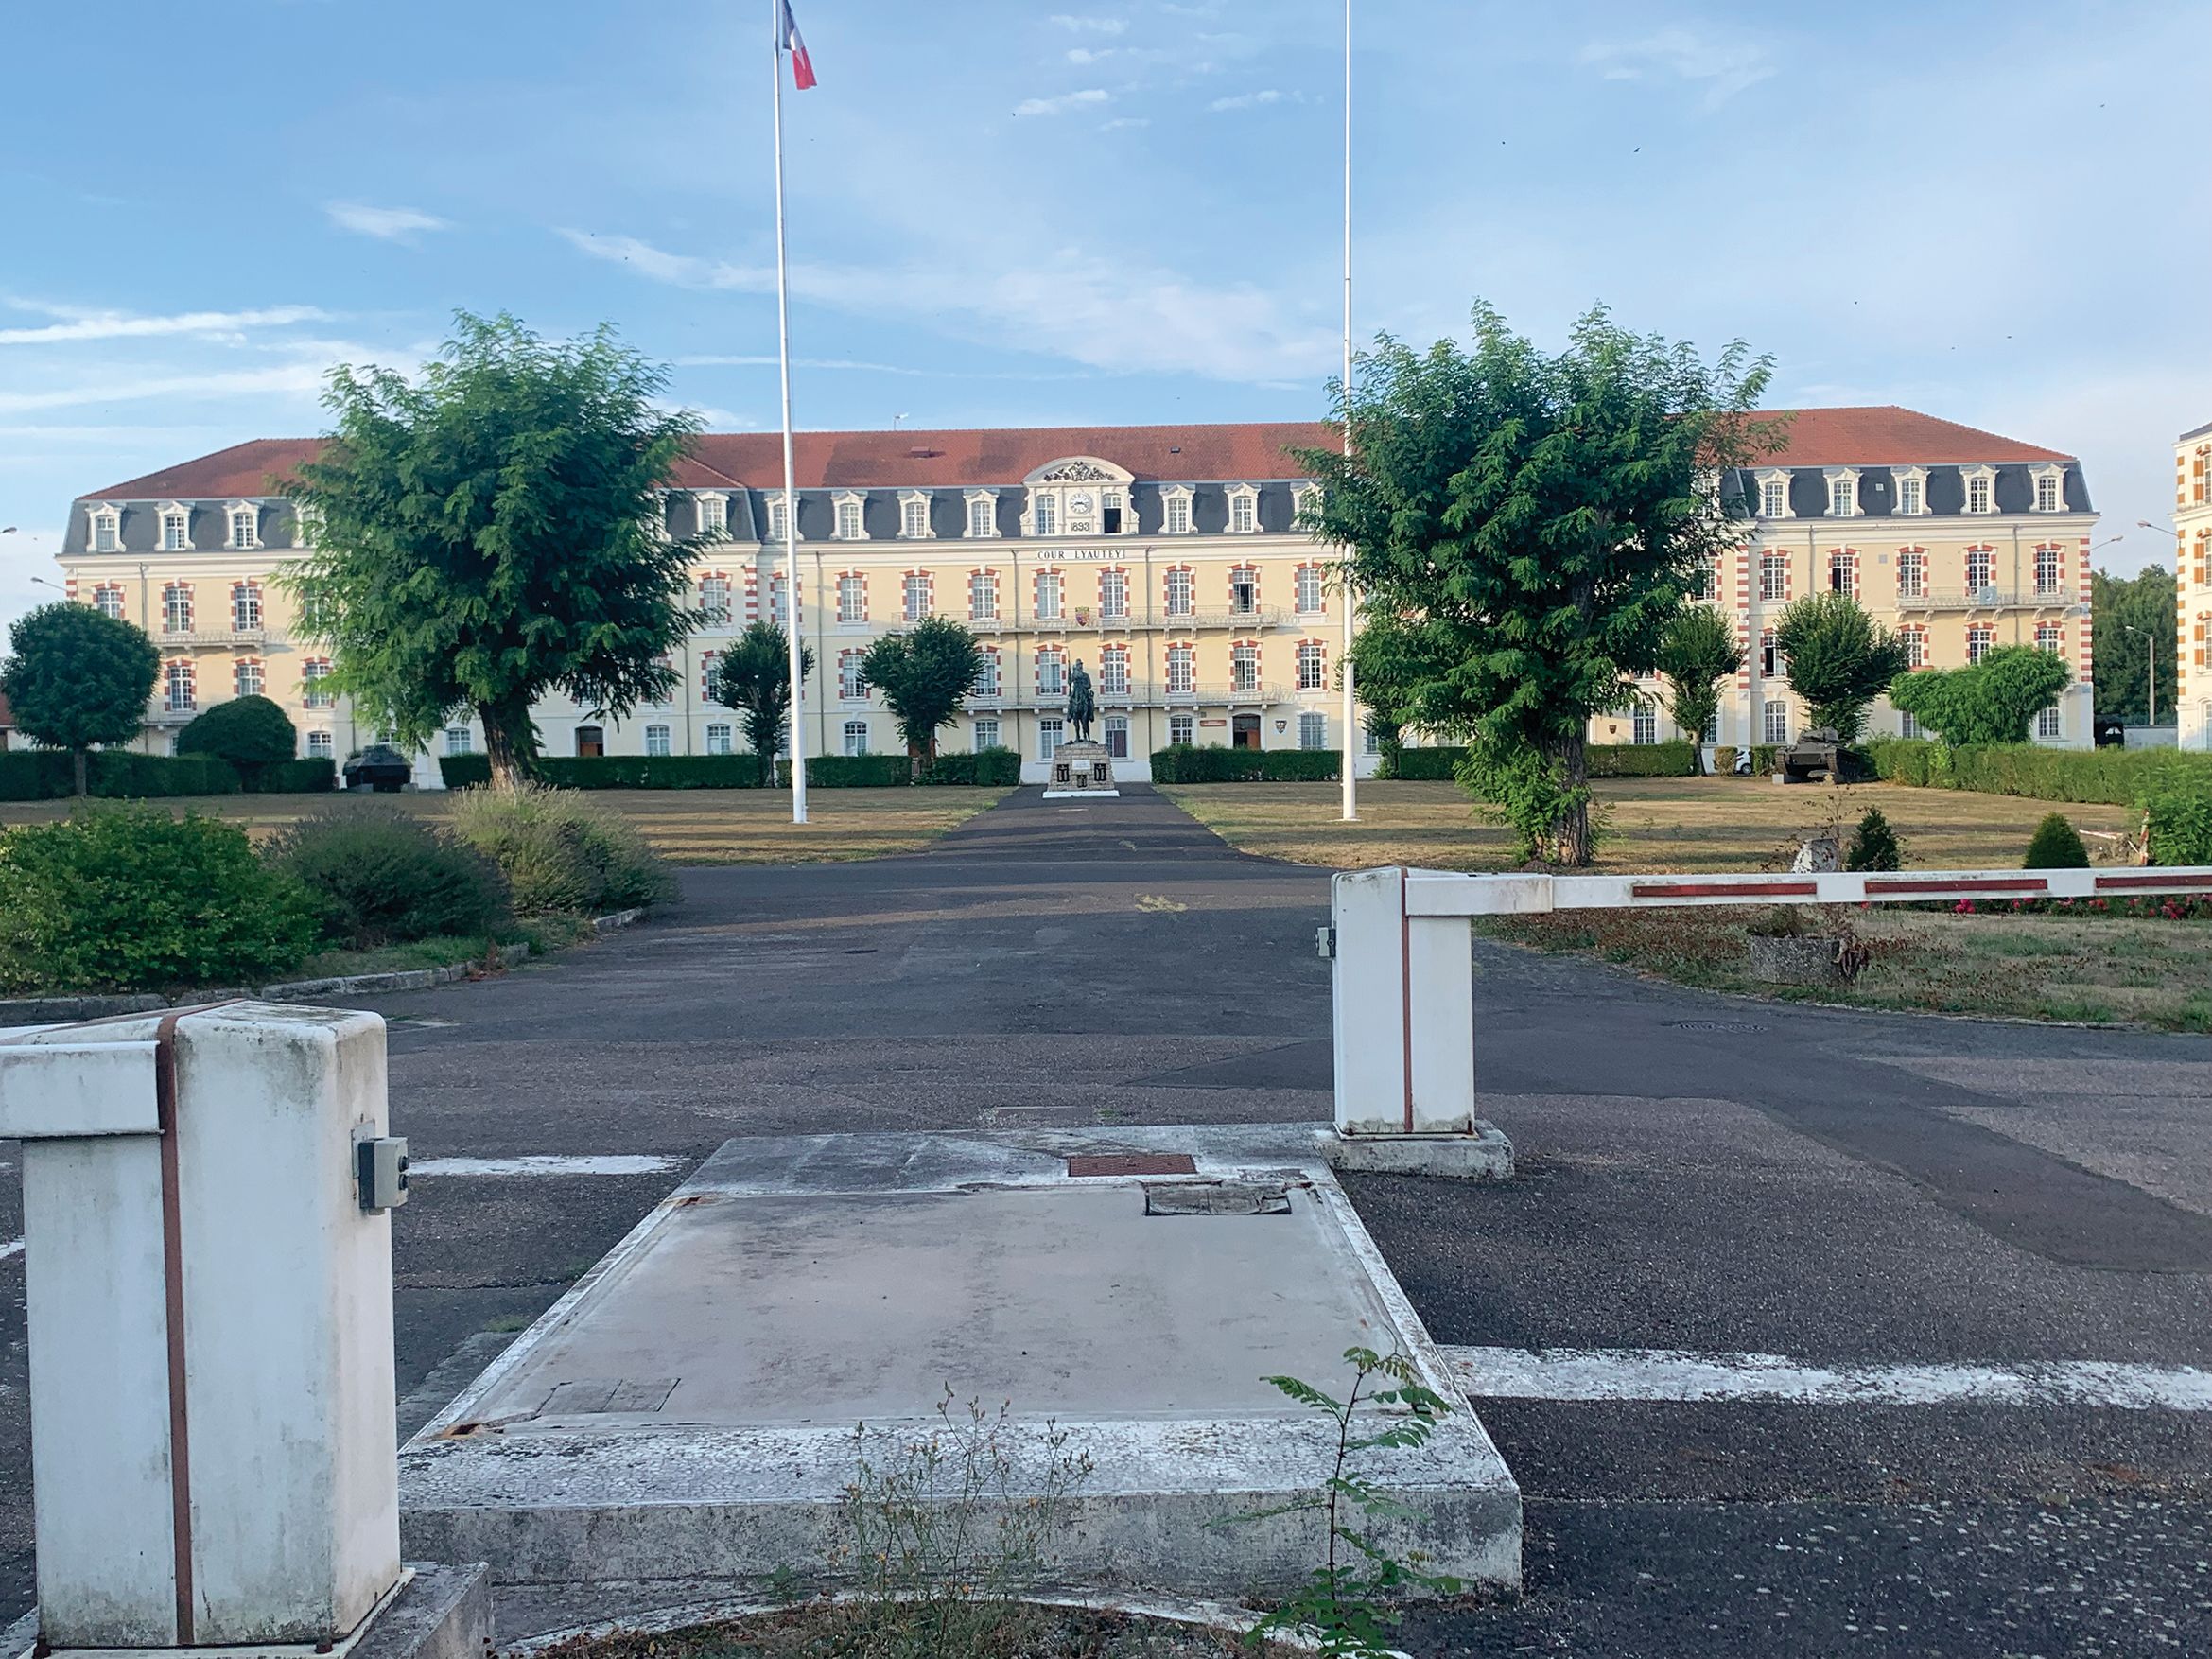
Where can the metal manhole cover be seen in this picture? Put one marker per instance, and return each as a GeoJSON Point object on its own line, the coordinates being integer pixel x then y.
{"type": "Point", "coordinates": [1715, 1026]}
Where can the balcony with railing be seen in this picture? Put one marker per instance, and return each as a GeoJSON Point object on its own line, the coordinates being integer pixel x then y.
{"type": "Point", "coordinates": [186, 638]}
{"type": "Point", "coordinates": [1986, 599]}
{"type": "Point", "coordinates": [1085, 620]}
{"type": "Point", "coordinates": [1139, 694]}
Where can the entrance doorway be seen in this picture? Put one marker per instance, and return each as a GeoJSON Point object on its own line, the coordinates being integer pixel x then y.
{"type": "Point", "coordinates": [1243, 731]}
{"type": "Point", "coordinates": [591, 742]}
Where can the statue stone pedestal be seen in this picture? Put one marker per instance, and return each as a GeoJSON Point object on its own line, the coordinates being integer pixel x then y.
{"type": "Point", "coordinates": [1081, 769]}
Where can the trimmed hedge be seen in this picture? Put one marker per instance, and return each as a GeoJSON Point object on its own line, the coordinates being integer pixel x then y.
{"type": "Point", "coordinates": [313, 776]}
{"type": "Point", "coordinates": [1213, 764]}
{"type": "Point", "coordinates": [741, 771]}
{"type": "Point", "coordinates": [2117, 777]}
{"type": "Point", "coordinates": [1438, 765]}
{"type": "Point", "coordinates": [39, 775]}
{"type": "Point", "coordinates": [992, 768]}
{"type": "Point", "coordinates": [1672, 759]}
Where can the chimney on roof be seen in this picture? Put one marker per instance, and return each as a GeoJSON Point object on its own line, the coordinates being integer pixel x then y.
{"type": "Point", "coordinates": [921, 452]}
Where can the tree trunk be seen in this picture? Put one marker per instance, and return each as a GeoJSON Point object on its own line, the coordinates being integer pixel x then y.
{"type": "Point", "coordinates": [507, 743]}
{"type": "Point", "coordinates": [79, 758]}
{"type": "Point", "coordinates": [1571, 834]}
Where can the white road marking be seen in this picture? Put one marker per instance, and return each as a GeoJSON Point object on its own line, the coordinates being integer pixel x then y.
{"type": "Point", "coordinates": [1666, 1373]}
{"type": "Point", "coordinates": [12, 1248]}
{"type": "Point", "coordinates": [545, 1164]}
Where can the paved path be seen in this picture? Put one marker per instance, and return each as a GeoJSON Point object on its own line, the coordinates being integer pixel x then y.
{"type": "Point", "coordinates": [1854, 1192]}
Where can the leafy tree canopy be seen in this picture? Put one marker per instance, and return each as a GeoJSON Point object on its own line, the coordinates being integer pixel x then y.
{"type": "Point", "coordinates": [1523, 528]}
{"type": "Point", "coordinates": [1697, 651]}
{"type": "Point", "coordinates": [925, 674]}
{"type": "Point", "coordinates": [249, 732]}
{"type": "Point", "coordinates": [754, 677]}
{"type": "Point", "coordinates": [490, 531]}
{"type": "Point", "coordinates": [75, 677]}
{"type": "Point", "coordinates": [1841, 659]}
{"type": "Point", "coordinates": [2120, 659]}
{"type": "Point", "coordinates": [1990, 702]}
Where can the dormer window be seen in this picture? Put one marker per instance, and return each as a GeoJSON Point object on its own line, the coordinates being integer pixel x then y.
{"type": "Point", "coordinates": [913, 514]}
{"type": "Point", "coordinates": [245, 521]}
{"type": "Point", "coordinates": [2051, 489]}
{"type": "Point", "coordinates": [778, 518]}
{"type": "Point", "coordinates": [1911, 489]}
{"type": "Point", "coordinates": [1773, 495]}
{"type": "Point", "coordinates": [1045, 514]}
{"type": "Point", "coordinates": [176, 529]}
{"type": "Point", "coordinates": [1311, 501]}
{"type": "Point", "coordinates": [1842, 492]}
{"type": "Point", "coordinates": [1109, 511]}
{"type": "Point", "coordinates": [1243, 509]}
{"type": "Point", "coordinates": [983, 514]}
{"type": "Point", "coordinates": [107, 531]}
{"type": "Point", "coordinates": [1176, 510]}
{"type": "Point", "coordinates": [1981, 488]}
{"type": "Point", "coordinates": [714, 515]}
{"type": "Point", "coordinates": [850, 525]}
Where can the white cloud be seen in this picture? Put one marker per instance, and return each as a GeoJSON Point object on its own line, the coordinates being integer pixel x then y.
{"type": "Point", "coordinates": [291, 377]}
{"type": "Point", "coordinates": [1113, 314]}
{"type": "Point", "coordinates": [1120, 122]}
{"type": "Point", "coordinates": [1090, 55]}
{"type": "Point", "coordinates": [390, 224]}
{"type": "Point", "coordinates": [1091, 26]}
{"type": "Point", "coordinates": [1723, 67]}
{"type": "Point", "coordinates": [84, 326]}
{"type": "Point", "coordinates": [1247, 100]}
{"type": "Point", "coordinates": [762, 360]}
{"type": "Point", "coordinates": [1061, 105]}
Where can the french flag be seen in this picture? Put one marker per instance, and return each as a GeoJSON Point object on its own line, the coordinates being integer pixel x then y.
{"type": "Point", "coordinates": [787, 37]}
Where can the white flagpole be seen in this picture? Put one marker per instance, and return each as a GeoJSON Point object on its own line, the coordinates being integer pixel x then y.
{"type": "Point", "coordinates": [1350, 721]}
{"type": "Point", "coordinates": [790, 504]}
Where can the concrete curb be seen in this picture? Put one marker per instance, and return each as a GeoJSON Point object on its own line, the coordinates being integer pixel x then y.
{"type": "Point", "coordinates": [1204, 1615]}
{"type": "Point", "coordinates": [62, 1010]}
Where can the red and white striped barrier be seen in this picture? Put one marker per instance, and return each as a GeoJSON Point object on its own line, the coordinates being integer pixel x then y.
{"type": "Point", "coordinates": [1404, 990]}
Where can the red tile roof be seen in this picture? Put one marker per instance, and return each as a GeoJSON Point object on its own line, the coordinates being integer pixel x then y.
{"type": "Point", "coordinates": [1885, 435]}
{"type": "Point", "coordinates": [1255, 450]}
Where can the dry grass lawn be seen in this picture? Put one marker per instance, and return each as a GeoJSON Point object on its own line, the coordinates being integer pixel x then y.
{"type": "Point", "coordinates": [2155, 972]}
{"type": "Point", "coordinates": [1654, 823]}
{"type": "Point", "coordinates": [685, 825]}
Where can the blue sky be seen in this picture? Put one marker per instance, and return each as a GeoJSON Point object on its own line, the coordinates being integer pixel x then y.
{"type": "Point", "coordinates": [1076, 211]}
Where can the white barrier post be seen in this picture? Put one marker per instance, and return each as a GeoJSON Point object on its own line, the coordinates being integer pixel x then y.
{"type": "Point", "coordinates": [1404, 1036]}
{"type": "Point", "coordinates": [208, 1253]}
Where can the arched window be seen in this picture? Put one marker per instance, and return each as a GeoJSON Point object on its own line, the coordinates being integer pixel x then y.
{"type": "Point", "coordinates": [246, 678]}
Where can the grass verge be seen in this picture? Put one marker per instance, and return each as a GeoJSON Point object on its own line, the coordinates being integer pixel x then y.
{"type": "Point", "coordinates": [2156, 973]}
{"type": "Point", "coordinates": [544, 934]}
{"type": "Point", "coordinates": [683, 826]}
{"type": "Point", "coordinates": [1652, 823]}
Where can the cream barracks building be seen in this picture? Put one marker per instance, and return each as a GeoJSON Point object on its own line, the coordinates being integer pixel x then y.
{"type": "Point", "coordinates": [1166, 559]}
{"type": "Point", "coordinates": [2192, 575]}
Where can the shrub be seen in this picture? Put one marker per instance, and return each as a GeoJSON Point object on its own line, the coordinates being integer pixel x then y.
{"type": "Point", "coordinates": [126, 897]}
{"type": "Point", "coordinates": [859, 771]}
{"type": "Point", "coordinates": [560, 852]}
{"type": "Point", "coordinates": [387, 878]}
{"type": "Point", "coordinates": [2118, 778]}
{"type": "Point", "coordinates": [249, 732]}
{"type": "Point", "coordinates": [1874, 845]}
{"type": "Point", "coordinates": [38, 775]}
{"type": "Point", "coordinates": [2178, 825]}
{"type": "Point", "coordinates": [464, 771]}
{"type": "Point", "coordinates": [2056, 845]}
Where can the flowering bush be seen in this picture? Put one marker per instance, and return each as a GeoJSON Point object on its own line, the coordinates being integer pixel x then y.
{"type": "Point", "coordinates": [2151, 907]}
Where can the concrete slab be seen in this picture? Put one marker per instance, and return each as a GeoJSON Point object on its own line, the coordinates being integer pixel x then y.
{"type": "Point", "coordinates": [692, 1408]}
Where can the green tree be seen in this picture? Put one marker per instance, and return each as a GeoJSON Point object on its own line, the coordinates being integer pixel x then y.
{"type": "Point", "coordinates": [490, 533]}
{"type": "Point", "coordinates": [1874, 845]}
{"type": "Point", "coordinates": [249, 732]}
{"type": "Point", "coordinates": [1991, 702]}
{"type": "Point", "coordinates": [1841, 659]}
{"type": "Point", "coordinates": [75, 678]}
{"type": "Point", "coordinates": [1522, 529]}
{"type": "Point", "coordinates": [925, 673]}
{"type": "Point", "coordinates": [2056, 845]}
{"type": "Point", "coordinates": [1696, 654]}
{"type": "Point", "coordinates": [754, 677]}
{"type": "Point", "coordinates": [2118, 659]}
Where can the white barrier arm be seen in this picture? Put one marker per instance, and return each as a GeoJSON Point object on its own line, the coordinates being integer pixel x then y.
{"type": "Point", "coordinates": [1445, 893]}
